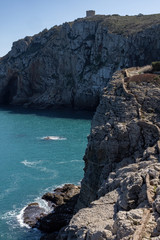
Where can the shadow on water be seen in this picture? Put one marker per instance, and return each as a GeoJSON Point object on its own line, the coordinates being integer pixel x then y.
{"type": "Point", "coordinates": [53, 113]}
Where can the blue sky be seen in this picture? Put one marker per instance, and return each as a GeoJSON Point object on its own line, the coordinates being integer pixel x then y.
{"type": "Point", "coordinates": [20, 18]}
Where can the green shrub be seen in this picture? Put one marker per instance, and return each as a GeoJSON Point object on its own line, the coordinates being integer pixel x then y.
{"type": "Point", "coordinates": [156, 66]}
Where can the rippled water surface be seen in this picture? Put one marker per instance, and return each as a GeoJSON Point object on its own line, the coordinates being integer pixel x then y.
{"type": "Point", "coordinates": [31, 164]}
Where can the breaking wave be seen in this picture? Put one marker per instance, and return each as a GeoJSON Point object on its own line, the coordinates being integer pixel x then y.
{"type": "Point", "coordinates": [54, 138]}
{"type": "Point", "coordinates": [42, 204]}
{"type": "Point", "coordinates": [21, 220]}
{"type": "Point", "coordinates": [31, 164]}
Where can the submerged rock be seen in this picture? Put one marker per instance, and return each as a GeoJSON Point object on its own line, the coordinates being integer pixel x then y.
{"type": "Point", "coordinates": [32, 214]}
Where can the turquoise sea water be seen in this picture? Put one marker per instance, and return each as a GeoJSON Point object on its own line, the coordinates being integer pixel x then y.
{"type": "Point", "coordinates": [31, 166]}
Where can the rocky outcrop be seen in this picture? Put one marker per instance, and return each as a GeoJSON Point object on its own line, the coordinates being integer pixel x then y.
{"type": "Point", "coordinates": [60, 209]}
{"type": "Point", "coordinates": [32, 213]}
{"type": "Point", "coordinates": [125, 212]}
{"type": "Point", "coordinates": [69, 65]}
{"type": "Point", "coordinates": [125, 128]}
{"type": "Point", "coordinates": [120, 196]}
{"type": "Point", "coordinates": [63, 200]}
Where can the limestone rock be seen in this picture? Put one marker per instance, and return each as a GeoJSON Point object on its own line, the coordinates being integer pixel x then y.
{"type": "Point", "coordinates": [69, 65]}
{"type": "Point", "coordinates": [63, 195]}
{"type": "Point", "coordinates": [63, 200]}
{"type": "Point", "coordinates": [119, 196]}
{"type": "Point", "coordinates": [32, 213]}
{"type": "Point", "coordinates": [96, 221]}
{"type": "Point", "coordinates": [124, 131]}
{"type": "Point", "coordinates": [120, 192]}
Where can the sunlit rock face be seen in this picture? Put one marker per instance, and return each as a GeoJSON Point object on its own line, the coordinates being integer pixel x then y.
{"type": "Point", "coordinates": [120, 192]}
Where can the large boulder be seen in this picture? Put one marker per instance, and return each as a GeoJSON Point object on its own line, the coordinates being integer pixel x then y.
{"type": "Point", "coordinates": [61, 203]}
{"type": "Point", "coordinates": [64, 200]}
{"type": "Point", "coordinates": [32, 213]}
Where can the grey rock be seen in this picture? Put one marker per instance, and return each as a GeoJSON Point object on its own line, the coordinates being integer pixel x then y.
{"type": "Point", "coordinates": [32, 213]}
{"type": "Point", "coordinates": [94, 222]}
{"type": "Point", "coordinates": [72, 65]}
{"type": "Point", "coordinates": [132, 136]}
{"type": "Point", "coordinates": [69, 65]}
{"type": "Point", "coordinates": [157, 203]}
{"type": "Point", "coordinates": [122, 157]}
{"type": "Point", "coordinates": [131, 187]}
{"type": "Point", "coordinates": [158, 224]}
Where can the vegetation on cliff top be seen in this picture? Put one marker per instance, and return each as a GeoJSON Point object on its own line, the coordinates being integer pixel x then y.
{"type": "Point", "coordinates": [156, 66]}
{"type": "Point", "coordinates": [126, 25]}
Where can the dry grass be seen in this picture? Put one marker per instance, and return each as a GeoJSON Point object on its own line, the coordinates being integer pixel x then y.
{"type": "Point", "coordinates": [125, 25]}
{"type": "Point", "coordinates": [146, 77]}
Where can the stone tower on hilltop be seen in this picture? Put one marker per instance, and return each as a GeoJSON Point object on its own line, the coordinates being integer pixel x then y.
{"type": "Point", "coordinates": [90, 13]}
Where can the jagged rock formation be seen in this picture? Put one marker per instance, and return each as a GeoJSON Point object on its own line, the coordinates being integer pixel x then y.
{"type": "Point", "coordinates": [120, 192]}
{"type": "Point", "coordinates": [61, 204]}
{"type": "Point", "coordinates": [69, 65]}
{"type": "Point", "coordinates": [63, 200]}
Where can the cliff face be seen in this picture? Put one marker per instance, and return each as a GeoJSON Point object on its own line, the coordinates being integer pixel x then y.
{"type": "Point", "coordinates": [124, 129]}
{"type": "Point", "coordinates": [122, 169]}
{"type": "Point", "coordinates": [69, 65]}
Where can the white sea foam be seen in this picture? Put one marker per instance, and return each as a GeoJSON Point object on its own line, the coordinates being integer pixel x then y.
{"type": "Point", "coordinates": [47, 170]}
{"type": "Point", "coordinates": [13, 218]}
{"type": "Point", "coordinates": [43, 204]}
{"type": "Point", "coordinates": [76, 161]}
{"type": "Point", "coordinates": [9, 215]}
{"type": "Point", "coordinates": [36, 166]}
{"type": "Point", "coordinates": [66, 162]}
{"type": "Point", "coordinates": [31, 164]}
{"type": "Point", "coordinates": [21, 220]}
{"type": "Point", "coordinates": [54, 138]}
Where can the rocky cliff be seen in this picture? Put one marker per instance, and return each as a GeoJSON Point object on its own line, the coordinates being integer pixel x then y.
{"type": "Point", "coordinates": [120, 192]}
{"type": "Point", "coordinates": [69, 65]}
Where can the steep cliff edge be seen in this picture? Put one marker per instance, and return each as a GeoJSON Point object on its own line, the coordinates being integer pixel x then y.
{"type": "Point", "coordinates": [125, 125]}
{"type": "Point", "coordinates": [69, 65]}
{"type": "Point", "coordinates": [120, 192]}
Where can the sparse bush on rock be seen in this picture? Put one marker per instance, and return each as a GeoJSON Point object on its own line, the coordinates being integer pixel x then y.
{"type": "Point", "coordinates": [156, 66]}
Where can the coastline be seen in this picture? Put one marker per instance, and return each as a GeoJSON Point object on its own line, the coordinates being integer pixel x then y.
{"type": "Point", "coordinates": [85, 65]}
{"type": "Point", "coordinates": [52, 212]}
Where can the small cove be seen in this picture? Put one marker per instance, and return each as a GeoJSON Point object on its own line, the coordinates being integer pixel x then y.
{"type": "Point", "coordinates": [31, 165]}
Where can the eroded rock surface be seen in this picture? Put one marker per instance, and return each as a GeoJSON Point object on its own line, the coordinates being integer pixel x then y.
{"type": "Point", "coordinates": [61, 202]}
{"type": "Point", "coordinates": [32, 213]}
{"type": "Point", "coordinates": [120, 193]}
